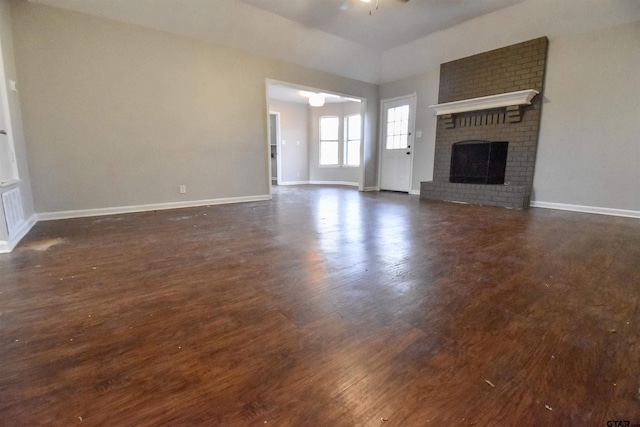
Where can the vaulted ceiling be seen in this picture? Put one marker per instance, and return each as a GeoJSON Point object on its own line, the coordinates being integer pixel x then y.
{"type": "Point", "coordinates": [355, 39]}
{"type": "Point", "coordinates": [383, 25]}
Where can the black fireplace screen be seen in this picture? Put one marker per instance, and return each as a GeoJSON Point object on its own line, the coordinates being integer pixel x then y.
{"type": "Point", "coordinates": [478, 162]}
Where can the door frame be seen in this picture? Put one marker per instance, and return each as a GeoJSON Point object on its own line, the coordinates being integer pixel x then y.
{"type": "Point", "coordinates": [278, 158]}
{"type": "Point", "coordinates": [12, 174]}
{"type": "Point", "coordinates": [365, 142]}
{"type": "Point", "coordinates": [413, 101]}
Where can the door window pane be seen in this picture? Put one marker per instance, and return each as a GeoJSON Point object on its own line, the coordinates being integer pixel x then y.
{"type": "Point", "coordinates": [397, 127]}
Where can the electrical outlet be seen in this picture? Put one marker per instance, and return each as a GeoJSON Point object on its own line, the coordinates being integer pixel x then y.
{"type": "Point", "coordinates": [183, 189]}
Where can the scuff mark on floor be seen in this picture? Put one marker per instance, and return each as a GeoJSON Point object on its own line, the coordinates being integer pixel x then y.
{"type": "Point", "coordinates": [180, 218]}
{"type": "Point", "coordinates": [43, 245]}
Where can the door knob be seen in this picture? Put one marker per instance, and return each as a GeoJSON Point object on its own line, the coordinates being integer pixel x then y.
{"type": "Point", "coordinates": [408, 152]}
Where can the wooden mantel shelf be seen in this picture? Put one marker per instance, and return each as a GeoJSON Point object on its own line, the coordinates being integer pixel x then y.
{"type": "Point", "coordinates": [520, 97]}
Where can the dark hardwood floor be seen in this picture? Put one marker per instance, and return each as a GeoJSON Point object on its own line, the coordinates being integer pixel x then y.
{"type": "Point", "coordinates": [323, 307]}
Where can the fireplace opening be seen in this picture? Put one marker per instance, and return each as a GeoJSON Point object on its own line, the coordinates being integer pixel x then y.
{"type": "Point", "coordinates": [478, 162]}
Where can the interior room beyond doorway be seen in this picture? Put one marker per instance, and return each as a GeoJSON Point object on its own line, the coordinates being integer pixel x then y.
{"type": "Point", "coordinates": [315, 136]}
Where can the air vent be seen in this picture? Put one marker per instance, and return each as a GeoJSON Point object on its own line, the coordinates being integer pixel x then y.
{"type": "Point", "coordinates": [13, 215]}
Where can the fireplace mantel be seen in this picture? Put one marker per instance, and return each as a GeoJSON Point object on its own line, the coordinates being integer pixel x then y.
{"type": "Point", "coordinates": [520, 97]}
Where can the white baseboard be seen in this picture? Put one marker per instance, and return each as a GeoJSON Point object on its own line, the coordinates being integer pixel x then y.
{"type": "Point", "coordinates": [586, 209]}
{"type": "Point", "coordinates": [294, 183]}
{"type": "Point", "coordinates": [144, 208]}
{"type": "Point", "coordinates": [414, 192]}
{"type": "Point", "coordinates": [7, 246]}
{"type": "Point", "coordinates": [376, 188]}
{"type": "Point", "coordinates": [350, 184]}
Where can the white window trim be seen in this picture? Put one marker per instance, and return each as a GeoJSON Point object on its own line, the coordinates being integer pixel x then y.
{"type": "Point", "coordinates": [332, 165]}
{"type": "Point", "coordinates": [346, 140]}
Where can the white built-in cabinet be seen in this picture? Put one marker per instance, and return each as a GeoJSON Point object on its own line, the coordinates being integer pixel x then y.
{"type": "Point", "coordinates": [8, 164]}
{"type": "Point", "coordinates": [11, 214]}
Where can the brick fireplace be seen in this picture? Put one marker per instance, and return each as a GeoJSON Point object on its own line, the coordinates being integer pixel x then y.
{"type": "Point", "coordinates": [494, 96]}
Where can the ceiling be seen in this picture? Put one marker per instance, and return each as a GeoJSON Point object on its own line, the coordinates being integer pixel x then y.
{"type": "Point", "coordinates": [342, 37]}
{"type": "Point", "coordinates": [317, 34]}
{"type": "Point", "coordinates": [394, 23]}
{"type": "Point", "coordinates": [299, 95]}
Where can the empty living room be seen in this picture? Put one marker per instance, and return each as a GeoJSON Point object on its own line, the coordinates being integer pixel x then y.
{"type": "Point", "coordinates": [319, 212]}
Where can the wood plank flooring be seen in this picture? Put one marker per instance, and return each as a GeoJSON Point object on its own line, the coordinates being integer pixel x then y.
{"type": "Point", "coordinates": [323, 307]}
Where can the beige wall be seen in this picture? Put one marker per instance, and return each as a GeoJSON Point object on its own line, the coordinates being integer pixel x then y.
{"type": "Point", "coordinates": [589, 151]}
{"type": "Point", "coordinates": [8, 60]}
{"type": "Point", "coordinates": [119, 115]}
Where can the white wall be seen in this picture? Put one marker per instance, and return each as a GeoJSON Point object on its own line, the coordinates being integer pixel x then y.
{"type": "Point", "coordinates": [294, 138]}
{"type": "Point", "coordinates": [589, 151]}
{"type": "Point", "coordinates": [118, 115]}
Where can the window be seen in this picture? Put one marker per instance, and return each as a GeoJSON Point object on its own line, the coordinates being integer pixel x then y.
{"type": "Point", "coordinates": [352, 125]}
{"type": "Point", "coordinates": [329, 140]}
{"type": "Point", "coordinates": [397, 127]}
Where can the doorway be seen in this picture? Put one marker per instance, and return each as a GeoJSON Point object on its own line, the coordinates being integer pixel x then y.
{"type": "Point", "coordinates": [296, 153]}
{"type": "Point", "coordinates": [8, 163]}
{"type": "Point", "coordinates": [396, 147]}
{"type": "Point", "coordinates": [274, 147]}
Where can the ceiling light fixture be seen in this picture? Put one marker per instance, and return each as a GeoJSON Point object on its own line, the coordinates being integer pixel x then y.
{"type": "Point", "coordinates": [371, 10]}
{"type": "Point", "coordinates": [316, 100]}
{"type": "Point", "coordinates": [378, 4]}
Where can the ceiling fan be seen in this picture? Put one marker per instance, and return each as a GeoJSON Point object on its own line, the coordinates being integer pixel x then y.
{"type": "Point", "coordinates": [345, 4]}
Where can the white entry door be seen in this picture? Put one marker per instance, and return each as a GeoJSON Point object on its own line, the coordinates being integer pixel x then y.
{"type": "Point", "coordinates": [398, 118]}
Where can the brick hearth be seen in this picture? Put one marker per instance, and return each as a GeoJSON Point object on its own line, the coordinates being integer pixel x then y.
{"type": "Point", "coordinates": [509, 69]}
